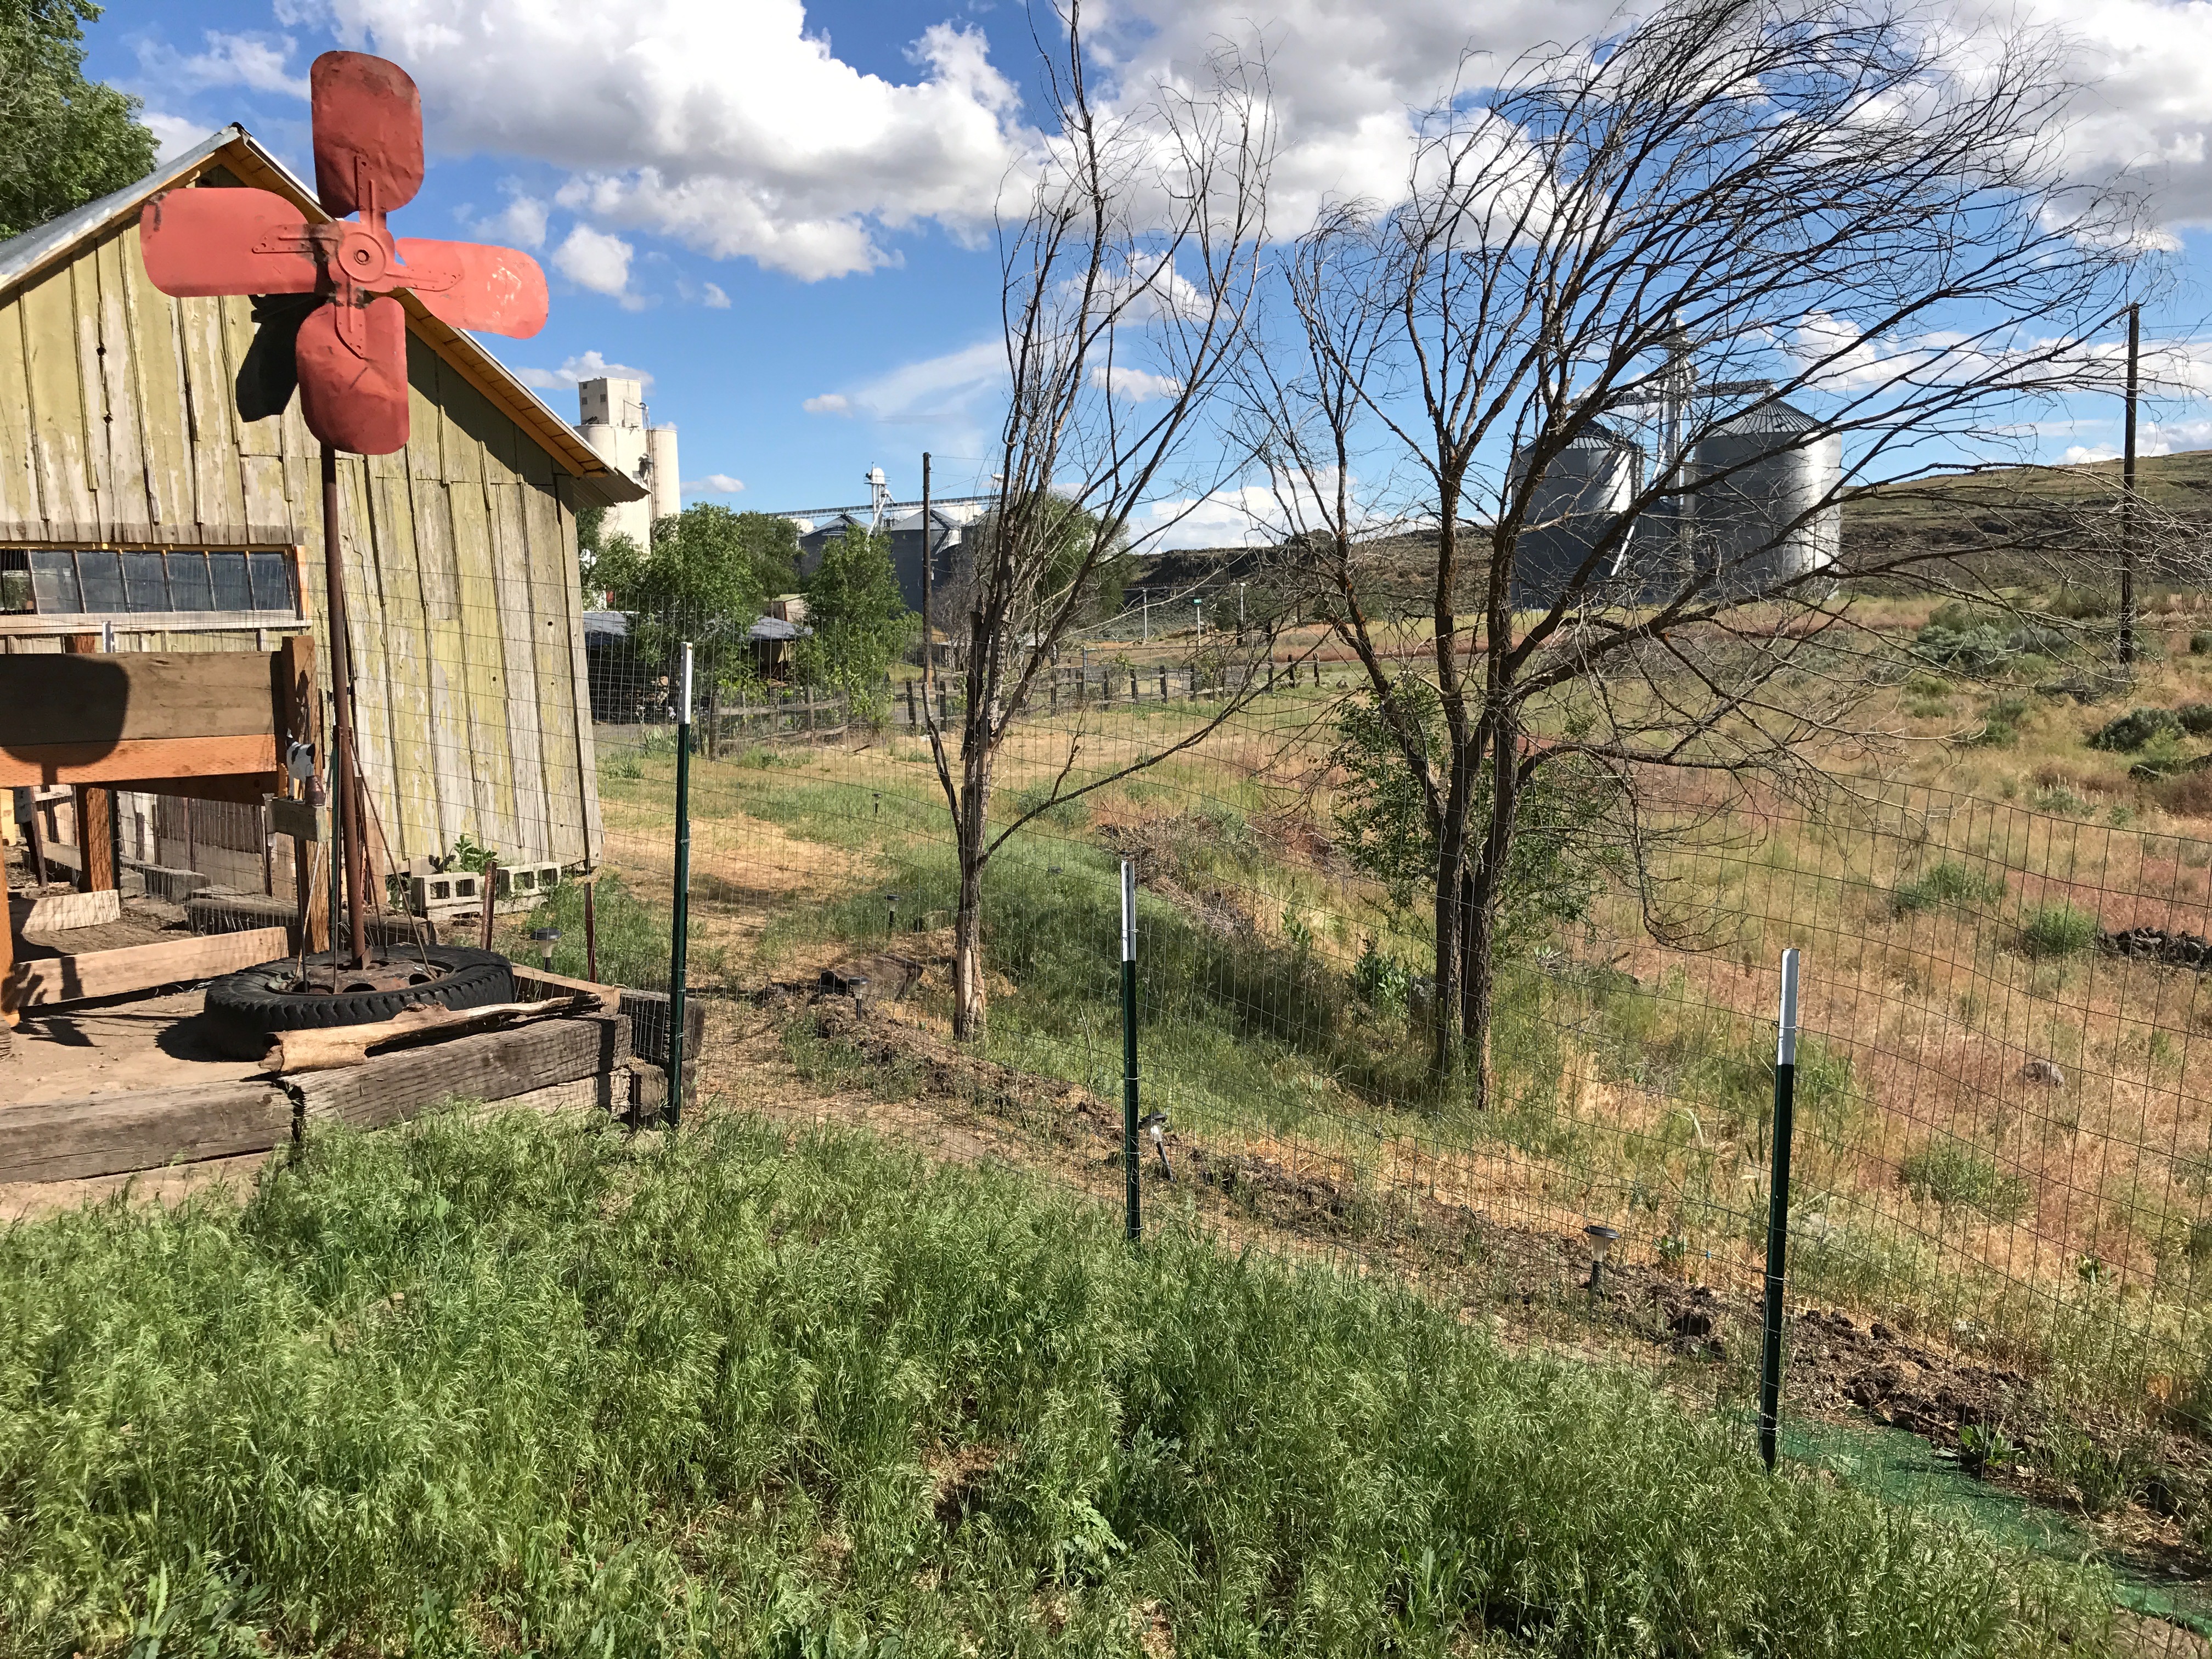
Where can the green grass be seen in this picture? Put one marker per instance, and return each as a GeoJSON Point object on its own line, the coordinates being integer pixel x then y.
{"type": "Point", "coordinates": [1948, 882]}
{"type": "Point", "coordinates": [1948, 1174]}
{"type": "Point", "coordinates": [2057, 930]}
{"type": "Point", "coordinates": [514, 1386]}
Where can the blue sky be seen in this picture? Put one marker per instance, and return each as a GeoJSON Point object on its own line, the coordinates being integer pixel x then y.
{"type": "Point", "coordinates": [781, 213]}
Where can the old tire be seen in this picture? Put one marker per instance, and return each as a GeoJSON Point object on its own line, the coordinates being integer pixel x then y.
{"type": "Point", "coordinates": [243, 1009]}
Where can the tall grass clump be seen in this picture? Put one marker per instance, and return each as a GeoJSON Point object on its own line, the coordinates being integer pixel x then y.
{"type": "Point", "coordinates": [511, 1386]}
{"type": "Point", "coordinates": [1948, 882]}
{"type": "Point", "coordinates": [2057, 930]}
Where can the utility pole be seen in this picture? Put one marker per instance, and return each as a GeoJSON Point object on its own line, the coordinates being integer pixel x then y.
{"type": "Point", "coordinates": [2128, 498]}
{"type": "Point", "coordinates": [928, 584]}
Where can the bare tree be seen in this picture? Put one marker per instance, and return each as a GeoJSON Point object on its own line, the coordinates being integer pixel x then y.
{"type": "Point", "coordinates": [1126, 288]}
{"type": "Point", "coordinates": [1652, 306]}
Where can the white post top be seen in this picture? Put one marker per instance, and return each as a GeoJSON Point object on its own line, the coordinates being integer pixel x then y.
{"type": "Point", "coordinates": [686, 716]}
{"type": "Point", "coordinates": [1786, 1048]}
{"type": "Point", "coordinates": [1128, 911]}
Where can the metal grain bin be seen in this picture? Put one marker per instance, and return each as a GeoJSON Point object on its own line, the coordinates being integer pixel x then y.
{"type": "Point", "coordinates": [1765, 506]}
{"type": "Point", "coordinates": [1576, 507]}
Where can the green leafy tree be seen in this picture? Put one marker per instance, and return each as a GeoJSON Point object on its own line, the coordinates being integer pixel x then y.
{"type": "Point", "coordinates": [1566, 849]}
{"type": "Point", "coordinates": [705, 578]}
{"type": "Point", "coordinates": [64, 140]}
{"type": "Point", "coordinates": [860, 621]}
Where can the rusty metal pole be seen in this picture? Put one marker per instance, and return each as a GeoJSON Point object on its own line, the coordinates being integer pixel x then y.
{"type": "Point", "coordinates": [349, 824]}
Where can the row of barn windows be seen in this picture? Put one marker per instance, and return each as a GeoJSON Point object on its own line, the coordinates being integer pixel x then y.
{"type": "Point", "coordinates": [77, 581]}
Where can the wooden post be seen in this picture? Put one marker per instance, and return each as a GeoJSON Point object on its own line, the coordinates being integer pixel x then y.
{"type": "Point", "coordinates": [7, 953]}
{"type": "Point", "coordinates": [1164, 685]}
{"type": "Point", "coordinates": [491, 884]}
{"type": "Point", "coordinates": [1132, 685]}
{"type": "Point", "coordinates": [95, 810]}
{"type": "Point", "coordinates": [912, 719]}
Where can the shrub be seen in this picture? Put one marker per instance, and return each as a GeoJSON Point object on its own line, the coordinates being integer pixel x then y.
{"type": "Point", "coordinates": [2057, 930]}
{"type": "Point", "coordinates": [2195, 718]}
{"type": "Point", "coordinates": [1949, 883]}
{"type": "Point", "coordinates": [1948, 1174]}
{"type": "Point", "coordinates": [2132, 730]}
{"type": "Point", "coordinates": [2001, 723]}
{"type": "Point", "coordinates": [2200, 641]}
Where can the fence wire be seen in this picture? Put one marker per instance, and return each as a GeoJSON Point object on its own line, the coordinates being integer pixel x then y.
{"type": "Point", "coordinates": [2001, 1215]}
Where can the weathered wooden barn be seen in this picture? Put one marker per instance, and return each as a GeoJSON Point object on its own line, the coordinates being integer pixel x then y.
{"type": "Point", "coordinates": [136, 504]}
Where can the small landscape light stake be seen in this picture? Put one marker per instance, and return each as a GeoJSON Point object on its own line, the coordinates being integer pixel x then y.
{"type": "Point", "coordinates": [1602, 1239]}
{"type": "Point", "coordinates": [1130, 1191]}
{"type": "Point", "coordinates": [879, 803]}
{"type": "Point", "coordinates": [892, 927]}
{"type": "Point", "coordinates": [1778, 1211]}
{"type": "Point", "coordinates": [679, 932]}
{"type": "Point", "coordinates": [546, 938]}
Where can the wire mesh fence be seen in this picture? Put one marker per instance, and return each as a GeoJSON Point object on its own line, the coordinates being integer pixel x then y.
{"type": "Point", "coordinates": [2001, 1209]}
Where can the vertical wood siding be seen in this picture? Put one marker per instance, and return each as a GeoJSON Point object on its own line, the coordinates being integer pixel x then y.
{"type": "Point", "coordinates": [118, 424]}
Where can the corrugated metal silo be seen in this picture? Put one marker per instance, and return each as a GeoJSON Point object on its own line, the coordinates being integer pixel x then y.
{"type": "Point", "coordinates": [1764, 507]}
{"type": "Point", "coordinates": [1576, 507]}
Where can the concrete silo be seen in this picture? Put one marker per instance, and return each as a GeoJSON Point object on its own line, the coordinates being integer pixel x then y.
{"type": "Point", "coordinates": [1764, 505]}
{"type": "Point", "coordinates": [1576, 507]}
{"type": "Point", "coordinates": [613, 421]}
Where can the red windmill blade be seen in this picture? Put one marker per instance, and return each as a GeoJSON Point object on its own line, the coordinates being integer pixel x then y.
{"type": "Point", "coordinates": [350, 353]}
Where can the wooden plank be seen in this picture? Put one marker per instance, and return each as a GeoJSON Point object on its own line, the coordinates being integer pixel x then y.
{"type": "Point", "coordinates": [269, 514]}
{"type": "Point", "coordinates": [59, 912]}
{"type": "Point", "coordinates": [138, 762]}
{"type": "Point", "coordinates": [553, 604]}
{"type": "Point", "coordinates": [337, 1047]}
{"type": "Point", "coordinates": [516, 618]}
{"type": "Point", "coordinates": [445, 661]}
{"type": "Point", "coordinates": [264, 437]}
{"type": "Point", "coordinates": [137, 967]}
{"type": "Point", "coordinates": [492, 1067]}
{"type": "Point", "coordinates": [129, 499]}
{"type": "Point", "coordinates": [424, 417]}
{"type": "Point", "coordinates": [156, 371]}
{"type": "Point", "coordinates": [370, 627]}
{"type": "Point", "coordinates": [489, 759]}
{"type": "Point", "coordinates": [587, 765]}
{"type": "Point", "coordinates": [416, 820]}
{"type": "Point", "coordinates": [464, 414]}
{"type": "Point", "coordinates": [609, 1092]}
{"type": "Point", "coordinates": [101, 696]}
{"type": "Point", "coordinates": [98, 419]}
{"type": "Point", "coordinates": [146, 1129]}
{"type": "Point", "coordinates": [19, 479]}
{"type": "Point", "coordinates": [211, 421]}
{"type": "Point", "coordinates": [528, 979]}
{"type": "Point", "coordinates": [57, 414]}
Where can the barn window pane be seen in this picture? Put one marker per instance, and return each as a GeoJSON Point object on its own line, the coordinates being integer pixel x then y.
{"type": "Point", "coordinates": [145, 583]}
{"type": "Point", "coordinates": [188, 582]}
{"type": "Point", "coordinates": [53, 579]}
{"type": "Point", "coordinates": [232, 592]}
{"type": "Point", "coordinates": [103, 580]}
{"type": "Point", "coordinates": [272, 582]}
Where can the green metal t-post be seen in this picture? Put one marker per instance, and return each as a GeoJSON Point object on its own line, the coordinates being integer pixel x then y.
{"type": "Point", "coordinates": [1778, 1211]}
{"type": "Point", "coordinates": [679, 935]}
{"type": "Point", "coordinates": [1130, 1156]}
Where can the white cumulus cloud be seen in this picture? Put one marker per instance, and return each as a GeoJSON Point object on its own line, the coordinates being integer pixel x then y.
{"type": "Point", "coordinates": [592, 259]}
{"type": "Point", "coordinates": [588, 365]}
{"type": "Point", "coordinates": [521, 221]}
{"type": "Point", "coordinates": [715, 484]}
{"type": "Point", "coordinates": [829, 403]}
{"type": "Point", "coordinates": [712, 297]}
{"type": "Point", "coordinates": [256, 61]}
{"type": "Point", "coordinates": [1135, 386]}
{"type": "Point", "coordinates": [732, 128]}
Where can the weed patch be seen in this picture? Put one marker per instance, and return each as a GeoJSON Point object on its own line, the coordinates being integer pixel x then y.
{"type": "Point", "coordinates": [478, 1387]}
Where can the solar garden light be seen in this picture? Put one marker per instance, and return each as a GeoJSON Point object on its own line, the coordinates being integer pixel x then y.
{"type": "Point", "coordinates": [890, 925]}
{"type": "Point", "coordinates": [546, 938]}
{"type": "Point", "coordinates": [1601, 1239]}
{"type": "Point", "coordinates": [879, 798]}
